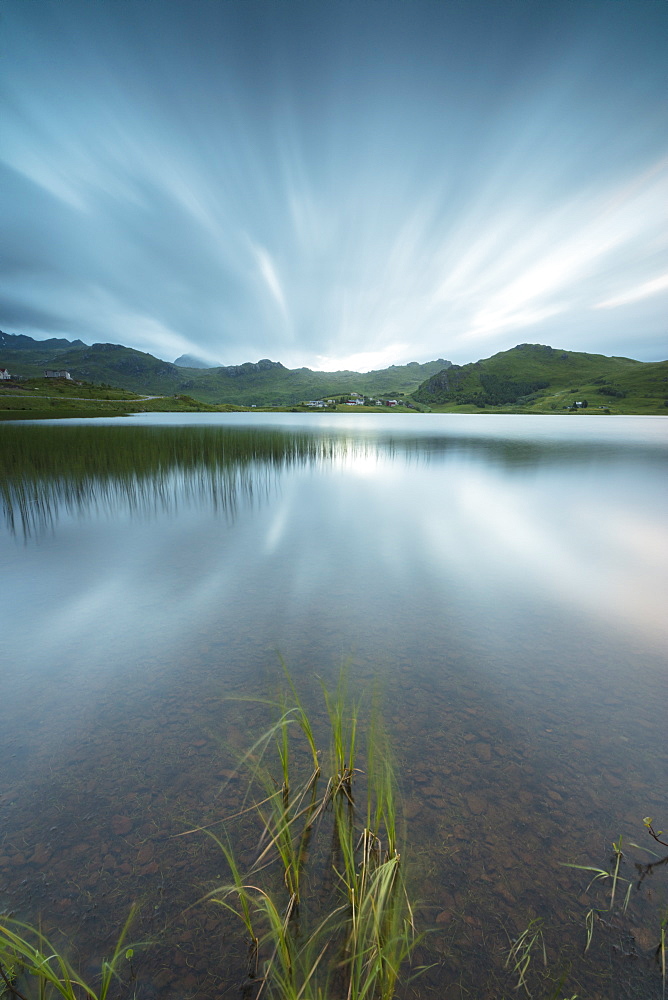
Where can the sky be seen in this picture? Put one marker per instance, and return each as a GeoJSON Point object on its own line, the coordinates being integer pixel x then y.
{"type": "Point", "coordinates": [336, 183]}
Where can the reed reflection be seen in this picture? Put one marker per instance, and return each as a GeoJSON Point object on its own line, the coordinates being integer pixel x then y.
{"type": "Point", "coordinates": [74, 471]}
{"type": "Point", "coordinates": [56, 471]}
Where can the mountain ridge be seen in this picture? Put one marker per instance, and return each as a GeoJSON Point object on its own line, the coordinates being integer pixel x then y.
{"type": "Point", "coordinates": [528, 378]}
{"type": "Point", "coordinates": [264, 382]}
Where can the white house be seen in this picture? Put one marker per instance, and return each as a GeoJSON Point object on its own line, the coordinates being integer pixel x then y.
{"type": "Point", "coordinates": [51, 373]}
{"type": "Point", "coordinates": [4, 373]}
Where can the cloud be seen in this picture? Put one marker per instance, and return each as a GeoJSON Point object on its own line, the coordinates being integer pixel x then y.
{"type": "Point", "coordinates": [269, 275]}
{"type": "Point", "coordinates": [644, 291]}
{"type": "Point", "coordinates": [326, 185]}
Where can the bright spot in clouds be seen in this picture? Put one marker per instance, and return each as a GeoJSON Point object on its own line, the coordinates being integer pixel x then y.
{"type": "Point", "coordinates": [362, 361]}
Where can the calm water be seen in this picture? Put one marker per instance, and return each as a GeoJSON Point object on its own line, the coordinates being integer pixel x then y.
{"type": "Point", "coordinates": [502, 580]}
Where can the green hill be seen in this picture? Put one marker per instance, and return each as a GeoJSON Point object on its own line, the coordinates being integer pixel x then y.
{"type": "Point", "coordinates": [263, 383]}
{"type": "Point", "coordinates": [529, 378]}
{"type": "Point", "coordinates": [536, 378]}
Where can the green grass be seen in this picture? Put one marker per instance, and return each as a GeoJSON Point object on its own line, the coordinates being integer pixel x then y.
{"type": "Point", "coordinates": [611, 911]}
{"type": "Point", "coordinates": [27, 956]}
{"type": "Point", "coordinates": [522, 951]}
{"type": "Point", "coordinates": [44, 399]}
{"type": "Point", "coordinates": [324, 903]}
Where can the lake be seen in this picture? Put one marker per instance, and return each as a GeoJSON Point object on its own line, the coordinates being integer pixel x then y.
{"type": "Point", "coordinates": [498, 583]}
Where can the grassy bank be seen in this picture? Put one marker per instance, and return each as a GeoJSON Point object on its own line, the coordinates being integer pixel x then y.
{"type": "Point", "coordinates": [632, 393]}
{"type": "Point", "coordinates": [46, 399]}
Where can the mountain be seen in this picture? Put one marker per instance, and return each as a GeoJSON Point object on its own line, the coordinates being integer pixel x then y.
{"type": "Point", "coordinates": [529, 378]}
{"type": "Point", "coordinates": [536, 377]}
{"type": "Point", "coordinates": [268, 382]}
{"type": "Point", "coordinates": [19, 342]}
{"type": "Point", "coordinates": [262, 383]}
{"type": "Point", "coordinates": [191, 361]}
{"type": "Point", "coordinates": [110, 364]}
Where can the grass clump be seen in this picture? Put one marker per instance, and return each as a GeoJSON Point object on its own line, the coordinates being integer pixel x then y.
{"type": "Point", "coordinates": [31, 966]}
{"type": "Point", "coordinates": [324, 902]}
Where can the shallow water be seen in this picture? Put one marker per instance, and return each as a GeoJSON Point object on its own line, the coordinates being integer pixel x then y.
{"type": "Point", "coordinates": [502, 580]}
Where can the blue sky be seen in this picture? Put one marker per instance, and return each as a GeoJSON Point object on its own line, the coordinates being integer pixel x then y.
{"type": "Point", "coordinates": [345, 183]}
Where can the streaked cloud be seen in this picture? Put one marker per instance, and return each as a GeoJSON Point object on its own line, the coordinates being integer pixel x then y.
{"type": "Point", "coordinates": [330, 184]}
{"type": "Point", "coordinates": [267, 268]}
{"type": "Point", "coordinates": [644, 291]}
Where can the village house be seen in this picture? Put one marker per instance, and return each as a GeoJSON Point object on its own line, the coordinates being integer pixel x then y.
{"type": "Point", "coordinates": [4, 374]}
{"type": "Point", "coordinates": [61, 373]}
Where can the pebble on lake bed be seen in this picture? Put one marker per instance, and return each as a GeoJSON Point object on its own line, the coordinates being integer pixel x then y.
{"type": "Point", "coordinates": [121, 824]}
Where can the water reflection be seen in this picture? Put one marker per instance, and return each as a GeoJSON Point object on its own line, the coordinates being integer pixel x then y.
{"type": "Point", "coordinates": [505, 589]}
{"type": "Point", "coordinates": [84, 469]}
{"type": "Point", "coordinates": [147, 471]}
{"type": "Point", "coordinates": [490, 515]}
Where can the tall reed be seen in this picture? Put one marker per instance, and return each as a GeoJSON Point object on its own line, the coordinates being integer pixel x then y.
{"type": "Point", "coordinates": [338, 921]}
